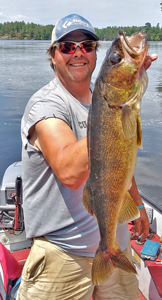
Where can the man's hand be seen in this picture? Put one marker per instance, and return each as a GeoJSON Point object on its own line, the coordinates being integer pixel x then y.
{"type": "Point", "coordinates": [141, 225]}
{"type": "Point", "coordinates": [149, 59]}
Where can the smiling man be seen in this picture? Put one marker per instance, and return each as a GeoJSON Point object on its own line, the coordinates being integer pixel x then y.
{"type": "Point", "coordinates": [55, 169]}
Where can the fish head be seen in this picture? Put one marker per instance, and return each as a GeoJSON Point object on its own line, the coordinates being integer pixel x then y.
{"type": "Point", "coordinates": [122, 78]}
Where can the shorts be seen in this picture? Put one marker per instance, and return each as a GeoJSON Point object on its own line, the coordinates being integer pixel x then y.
{"type": "Point", "coordinates": [52, 274]}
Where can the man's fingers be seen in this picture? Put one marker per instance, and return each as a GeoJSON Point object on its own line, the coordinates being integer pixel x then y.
{"type": "Point", "coordinates": [144, 236]}
{"type": "Point", "coordinates": [149, 59]}
{"type": "Point", "coordinates": [137, 228]}
{"type": "Point", "coordinates": [153, 56]}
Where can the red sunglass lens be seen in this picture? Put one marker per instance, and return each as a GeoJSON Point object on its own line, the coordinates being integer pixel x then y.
{"type": "Point", "coordinates": [67, 47]}
{"type": "Point", "coordinates": [89, 46]}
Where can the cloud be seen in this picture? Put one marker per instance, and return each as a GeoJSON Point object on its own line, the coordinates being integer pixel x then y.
{"type": "Point", "coordinates": [101, 13]}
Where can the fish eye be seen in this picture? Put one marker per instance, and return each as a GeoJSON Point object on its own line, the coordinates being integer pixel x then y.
{"type": "Point", "coordinates": [115, 58]}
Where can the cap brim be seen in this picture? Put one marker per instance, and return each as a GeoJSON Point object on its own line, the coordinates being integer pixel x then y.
{"type": "Point", "coordinates": [93, 35]}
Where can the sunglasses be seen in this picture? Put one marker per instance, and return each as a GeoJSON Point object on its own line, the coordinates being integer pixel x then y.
{"type": "Point", "coordinates": [70, 47]}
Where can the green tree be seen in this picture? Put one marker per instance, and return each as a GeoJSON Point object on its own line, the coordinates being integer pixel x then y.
{"type": "Point", "coordinates": [148, 25]}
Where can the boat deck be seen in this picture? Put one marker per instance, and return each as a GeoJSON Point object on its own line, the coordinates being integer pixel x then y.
{"type": "Point", "coordinates": [154, 268]}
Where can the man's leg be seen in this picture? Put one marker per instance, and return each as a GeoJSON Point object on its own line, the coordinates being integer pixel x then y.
{"type": "Point", "coordinates": [121, 285]}
{"type": "Point", "coordinates": [52, 274]}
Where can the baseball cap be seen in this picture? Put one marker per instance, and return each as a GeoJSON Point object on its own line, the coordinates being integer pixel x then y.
{"type": "Point", "coordinates": [71, 23]}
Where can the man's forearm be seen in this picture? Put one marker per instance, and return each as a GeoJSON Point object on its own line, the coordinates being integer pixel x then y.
{"type": "Point", "coordinates": [134, 193]}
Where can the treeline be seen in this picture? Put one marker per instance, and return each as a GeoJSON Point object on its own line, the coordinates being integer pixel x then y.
{"type": "Point", "coordinates": [21, 31]}
{"type": "Point", "coordinates": [31, 31]}
{"type": "Point", "coordinates": [154, 33]}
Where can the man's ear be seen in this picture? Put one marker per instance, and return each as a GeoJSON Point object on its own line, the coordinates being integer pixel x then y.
{"type": "Point", "coordinates": [53, 59]}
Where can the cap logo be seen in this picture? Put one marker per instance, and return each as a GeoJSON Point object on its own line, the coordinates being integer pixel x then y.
{"type": "Point", "coordinates": [66, 24]}
{"type": "Point", "coordinates": [75, 22]}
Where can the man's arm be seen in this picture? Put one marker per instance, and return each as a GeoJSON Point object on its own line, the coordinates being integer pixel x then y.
{"type": "Point", "coordinates": [142, 223]}
{"type": "Point", "coordinates": [67, 157]}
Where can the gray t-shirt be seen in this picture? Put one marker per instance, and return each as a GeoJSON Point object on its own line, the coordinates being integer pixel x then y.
{"type": "Point", "coordinates": [50, 208]}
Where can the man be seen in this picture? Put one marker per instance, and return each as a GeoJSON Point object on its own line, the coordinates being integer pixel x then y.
{"type": "Point", "coordinates": [55, 168]}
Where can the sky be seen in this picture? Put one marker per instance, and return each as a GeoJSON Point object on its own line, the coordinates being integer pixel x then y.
{"type": "Point", "coordinates": [101, 13]}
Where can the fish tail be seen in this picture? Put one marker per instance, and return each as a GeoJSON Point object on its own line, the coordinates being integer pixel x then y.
{"type": "Point", "coordinates": [105, 262]}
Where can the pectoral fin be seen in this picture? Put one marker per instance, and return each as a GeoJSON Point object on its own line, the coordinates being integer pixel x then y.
{"type": "Point", "coordinates": [129, 122]}
{"type": "Point", "coordinates": [129, 210]}
{"type": "Point", "coordinates": [86, 200]}
{"type": "Point", "coordinates": [139, 133]}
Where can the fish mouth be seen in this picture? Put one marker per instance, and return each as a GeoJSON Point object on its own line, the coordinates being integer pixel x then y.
{"type": "Point", "coordinates": [135, 45]}
{"type": "Point", "coordinates": [133, 51]}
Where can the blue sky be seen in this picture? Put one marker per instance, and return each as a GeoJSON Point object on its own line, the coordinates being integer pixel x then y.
{"type": "Point", "coordinates": [101, 13]}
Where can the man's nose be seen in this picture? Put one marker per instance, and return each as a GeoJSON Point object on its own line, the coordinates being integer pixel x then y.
{"type": "Point", "coordinates": [78, 51]}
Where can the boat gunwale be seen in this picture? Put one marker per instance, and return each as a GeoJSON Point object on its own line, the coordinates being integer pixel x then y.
{"type": "Point", "coordinates": [151, 202]}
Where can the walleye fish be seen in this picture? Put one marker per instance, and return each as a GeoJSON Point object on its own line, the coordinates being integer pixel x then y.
{"type": "Point", "coordinates": [114, 135]}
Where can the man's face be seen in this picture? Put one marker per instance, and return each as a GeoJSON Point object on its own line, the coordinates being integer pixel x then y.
{"type": "Point", "coordinates": [75, 67]}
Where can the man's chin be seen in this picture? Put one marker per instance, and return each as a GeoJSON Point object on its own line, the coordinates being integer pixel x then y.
{"type": "Point", "coordinates": [80, 77]}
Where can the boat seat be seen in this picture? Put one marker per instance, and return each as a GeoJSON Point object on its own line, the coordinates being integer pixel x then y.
{"type": "Point", "coordinates": [9, 270]}
{"type": "Point", "coordinates": [21, 257]}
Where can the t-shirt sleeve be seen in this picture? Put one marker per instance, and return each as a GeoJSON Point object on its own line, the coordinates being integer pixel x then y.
{"type": "Point", "coordinates": [48, 109]}
{"type": "Point", "coordinates": [40, 110]}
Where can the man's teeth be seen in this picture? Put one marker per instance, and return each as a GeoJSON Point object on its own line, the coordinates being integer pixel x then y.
{"type": "Point", "coordinates": [77, 65]}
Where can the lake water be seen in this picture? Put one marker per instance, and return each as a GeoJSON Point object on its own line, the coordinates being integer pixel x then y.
{"type": "Point", "coordinates": [24, 68]}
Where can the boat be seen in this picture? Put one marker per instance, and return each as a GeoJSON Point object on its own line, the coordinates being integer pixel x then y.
{"type": "Point", "coordinates": [15, 248]}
